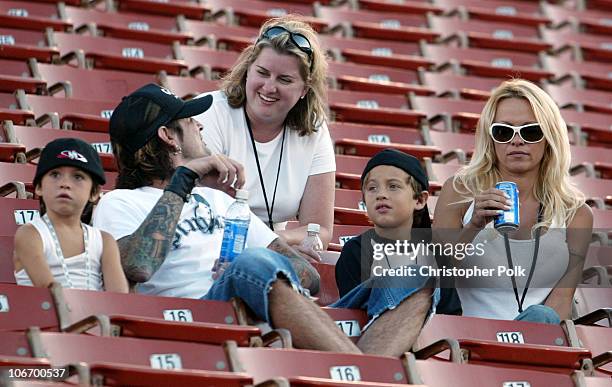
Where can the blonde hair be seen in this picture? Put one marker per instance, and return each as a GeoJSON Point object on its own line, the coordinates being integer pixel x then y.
{"type": "Point", "coordinates": [308, 113]}
{"type": "Point", "coordinates": [559, 197]}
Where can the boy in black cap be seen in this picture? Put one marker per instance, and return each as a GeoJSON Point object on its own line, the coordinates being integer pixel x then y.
{"type": "Point", "coordinates": [369, 272]}
{"type": "Point", "coordinates": [169, 228]}
{"type": "Point", "coordinates": [68, 178]}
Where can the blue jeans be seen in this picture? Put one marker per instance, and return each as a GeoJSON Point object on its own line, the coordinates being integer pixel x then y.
{"type": "Point", "coordinates": [250, 278]}
{"type": "Point", "coordinates": [539, 314]}
{"type": "Point", "coordinates": [379, 294]}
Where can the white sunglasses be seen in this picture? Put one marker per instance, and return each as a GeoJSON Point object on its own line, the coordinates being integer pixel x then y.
{"type": "Point", "coordinates": [504, 133]}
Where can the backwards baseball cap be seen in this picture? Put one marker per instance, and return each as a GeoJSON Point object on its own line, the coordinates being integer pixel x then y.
{"type": "Point", "coordinates": [409, 164]}
{"type": "Point", "coordinates": [136, 119]}
{"type": "Point", "coordinates": [70, 152]}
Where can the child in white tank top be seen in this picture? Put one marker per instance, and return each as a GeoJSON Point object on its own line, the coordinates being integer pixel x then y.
{"type": "Point", "coordinates": [58, 246]}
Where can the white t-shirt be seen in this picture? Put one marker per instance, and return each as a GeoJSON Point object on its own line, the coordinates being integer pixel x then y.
{"type": "Point", "coordinates": [75, 265]}
{"type": "Point", "coordinates": [186, 271]}
{"type": "Point", "coordinates": [225, 131]}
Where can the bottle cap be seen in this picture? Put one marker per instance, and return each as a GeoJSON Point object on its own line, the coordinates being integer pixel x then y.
{"type": "Point", "coordinates": [242, 194]}
{"type": "Point", "coordinates": [313, 227]}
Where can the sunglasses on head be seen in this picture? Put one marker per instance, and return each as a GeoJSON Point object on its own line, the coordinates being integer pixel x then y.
{"type": "Point", "coordinates": [298, 39]}
{"type": "Point", "coordinates": [504, 133]}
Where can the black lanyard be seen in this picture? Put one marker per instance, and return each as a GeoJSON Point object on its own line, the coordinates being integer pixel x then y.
{"type": "Point", "coordinates": [269, 209]}
{"type": "Point", "coordinates": [533, 263]}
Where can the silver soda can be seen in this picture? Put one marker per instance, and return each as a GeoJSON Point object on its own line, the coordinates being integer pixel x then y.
{"type": "Point", "coordinates": [508, 220]}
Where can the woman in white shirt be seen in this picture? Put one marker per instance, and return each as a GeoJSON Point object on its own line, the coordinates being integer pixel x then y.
{"type": "Point", "coordinates": [522, 138]}
{"type": "Point", "coordinates": [270, 115]}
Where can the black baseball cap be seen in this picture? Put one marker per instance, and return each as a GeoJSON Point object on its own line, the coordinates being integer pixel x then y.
{"type": "Point", "coordinates": [70, 152]}
{"type": "Point", "coordinates": [408, 163]}
{"type": "Point", "coordinates": [136, 119]}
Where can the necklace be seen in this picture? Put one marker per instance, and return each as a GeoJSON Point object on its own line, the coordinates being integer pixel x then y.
{"type": "Point", "coordinates": [60, 254]}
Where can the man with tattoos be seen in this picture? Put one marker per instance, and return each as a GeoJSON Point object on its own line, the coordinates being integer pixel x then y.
{"type": "Point", "coordinates": [166, 216]}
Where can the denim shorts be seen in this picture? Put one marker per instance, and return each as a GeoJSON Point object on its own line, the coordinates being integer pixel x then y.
{"type": "Point", "coordinates": [379, 294]}
{"type": "Point", "coordinates": [250, 278]}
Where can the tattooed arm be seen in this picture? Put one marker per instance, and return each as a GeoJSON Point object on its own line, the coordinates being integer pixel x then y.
{"type": "Point", "coordinates": [143, 252]}
{"type": "Point", "coordinates": [308, 275]}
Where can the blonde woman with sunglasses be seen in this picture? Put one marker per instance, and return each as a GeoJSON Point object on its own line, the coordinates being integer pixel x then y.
{"type": "Point", "coordinates": [270, 115]}
{"type": "Point", "coordinates": [520, 137]}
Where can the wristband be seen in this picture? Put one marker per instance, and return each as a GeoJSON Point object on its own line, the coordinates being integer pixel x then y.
{"type": "Point", "coordinates": [182, 182]}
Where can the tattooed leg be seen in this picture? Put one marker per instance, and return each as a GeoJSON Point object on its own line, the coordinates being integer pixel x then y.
{"type": "Point", "coordinates": [308, 275]}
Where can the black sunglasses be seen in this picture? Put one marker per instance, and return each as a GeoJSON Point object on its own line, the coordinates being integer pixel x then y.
{"type": "Point", "coordinates": [299, 40]}
{"type": "Point", "coordinates": [504, 133]}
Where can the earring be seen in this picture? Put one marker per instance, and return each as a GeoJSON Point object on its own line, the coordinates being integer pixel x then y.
{"type": "Point", "coordinates": [177, 151]}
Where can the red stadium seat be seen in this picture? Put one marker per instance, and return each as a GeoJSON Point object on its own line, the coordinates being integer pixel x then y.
{"type": "Point", "coordinates": [599, 341]}
{"type": "Point", "coordinates": [596, 126]}
{"type": "Point", "coordinates": [453, 145]}
{"type": "Point", "coordinates": [14, 75]}
{"type": "Point", "coordinates": [328, 291]}
{"type": "Point", "coordinates": [376, 79]}
{"type": "Point", "coordinates": [437, 373]}
{"type": "Point", "coordinates": [588, 100]}
{"type": "Point", "coordinates": [370, 108]}
{"type": "Point", "coordinates": [501, 36]}
{"type": "Point", "coordinates": [590, 47]}
{"type": "Point", "coordinates": [34, 139]}
{"type": "Point", "coordinates": [349, 198]}
{"type": "Point", "coordinates": [447, 114]}
{"type": "Point", "coordinates": [589, 299]}
{"type": "Point", "coordinates": [377, 25]}
{"type": "Point", "coordinates": [219, 35]}
{"type": "Point", "coordinates": [62, 348]}
{"type": "Point", "coordinates": [26, 306]}
{"type": "Point", "coordinates": [599, 259]}
{"type": "Point", "coordinates": [75, 305]}
{"type": "Point", "coordinates": [468, 87]}
{"type": "Point", "coordinates": [113, 374]}
{"type": "Point", "coordinates": [408, 7]}
{"type": "Point", "coordinates": [517, 12]}
{"type": "Point", "coordinates": [588, 21]}
{"type": "Point", "coordinates": [68, 112]}
{"type": "Point", "coordinates": [327, 365]}
{"type": "Point", "coordinates": [96, 84]}
{"type": "Point", "coordinates": [350, 321]}
{"type": "Point", "coordinates": [376, 134]}
{"type": "Point", "coordinates": [16, 212]}
{"type": "Point", "coordinates": [127, 25]}
{"type": "Point", "coordinates": [212, 63]}
{"type": "Point", "coordinates": [209, 322]}
{"type": "Point", "coordinates": [119, 54]}
{"type": "Point", "coordinates": [488, 63]}
{"type": "Point", "coordinates": [254, 12]}
{"type": "Point", "coordinates": [342, 233]}
{"type": "Point", "coordinates": [25, 44]}
{"type": "Point", "coordinates": [371, 51]}
{"type": "Point", "coordinates": [360, 140]}
{"type": "Point", "coordinates": [187, 87]}
{"type": "Point", "coordinates": [6, 260]}
{"type": "Point", "coordinates": [187, 8]}
{"type": "Point", "coordinates": [30, 16]}
{"type": "Point", "coordinates": [593, 160]}
{"type": "Point", "coordinates": [592, 75]}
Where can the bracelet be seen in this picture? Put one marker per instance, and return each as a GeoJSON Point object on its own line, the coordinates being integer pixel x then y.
{"type": "Point", "coordinates": [182, 182]}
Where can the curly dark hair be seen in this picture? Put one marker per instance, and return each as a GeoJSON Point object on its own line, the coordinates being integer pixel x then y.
{"type": "Point", "coordinates": [149, 163]}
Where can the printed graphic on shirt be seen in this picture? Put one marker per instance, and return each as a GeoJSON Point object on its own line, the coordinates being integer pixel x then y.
{"type": "Point", "coordinates": [203, 220]}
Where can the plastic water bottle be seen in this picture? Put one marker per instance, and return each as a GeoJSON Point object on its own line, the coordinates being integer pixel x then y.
{"type": "Point", "coordinates": [237, 220]}
{"type": "Point", "coordinates": [312, 240]}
